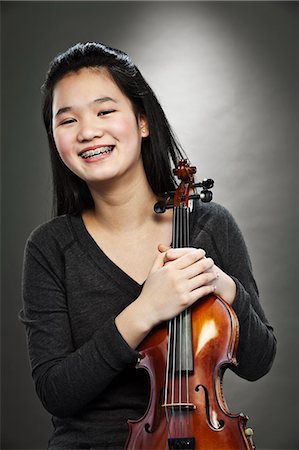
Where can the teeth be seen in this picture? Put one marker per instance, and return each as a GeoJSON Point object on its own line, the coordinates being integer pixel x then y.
{"type": "Point", "coordinates": [96, 152]}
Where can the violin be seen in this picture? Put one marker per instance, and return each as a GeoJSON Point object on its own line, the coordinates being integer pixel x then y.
{"type": "Point", "coordinates": [187, 357]}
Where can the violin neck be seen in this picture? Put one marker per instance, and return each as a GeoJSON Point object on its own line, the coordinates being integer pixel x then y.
{"type": "Point", "coordinates": [180, 337]}
{"type": "Point", "coordinates": [181, 227]}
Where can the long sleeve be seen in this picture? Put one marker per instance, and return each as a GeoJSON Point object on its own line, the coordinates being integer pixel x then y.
{"type": "Point", "coordinates": [67, 375]}
{"type": "Point", "coordinates": [257, 343]}
{"type": "Point", "coordinates": [216, 231]}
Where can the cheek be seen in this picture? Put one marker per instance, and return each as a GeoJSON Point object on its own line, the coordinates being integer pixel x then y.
{"type": "Point", "coordinates": [62, 142]}
{"type": "Point", "coordinates": [126, 129]}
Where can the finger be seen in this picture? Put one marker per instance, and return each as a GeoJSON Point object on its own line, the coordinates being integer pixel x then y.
{"type": "Point", "coordinates": [186, 260]}
{"type": "Point", "coordinates": [203, 265]}
{"type": "Point", "coordinates": [201, 292]}
{"type": "Point", "coordinates": [204, 279]}
{"type": "Point", "coordinates": [175, 253]}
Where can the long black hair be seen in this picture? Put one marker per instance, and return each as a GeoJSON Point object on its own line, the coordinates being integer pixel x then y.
{"type": "Point", "coordinates": [70, 193]}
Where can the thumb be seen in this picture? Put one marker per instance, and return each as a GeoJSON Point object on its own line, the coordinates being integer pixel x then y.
{"type": "Point", "coordinates": [163, 248]}
{"type": "Point", "coordinates": [158, 262]}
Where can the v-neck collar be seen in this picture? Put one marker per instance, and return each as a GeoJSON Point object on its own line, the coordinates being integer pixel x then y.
{"type": "Point", "coordinates": [103, 262]}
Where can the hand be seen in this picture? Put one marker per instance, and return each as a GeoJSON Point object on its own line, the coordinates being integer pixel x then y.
{"type": "Point", "coordinates": [177, 279]}
{"type": "Point", "coordinates": [224, 285]}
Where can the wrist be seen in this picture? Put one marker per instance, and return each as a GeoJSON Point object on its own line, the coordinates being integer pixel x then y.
{"type": "Point", "coordinates": [146, 314]}
{"type": "Point", "coordinates": [226, 288]}
{"type": "Point", "coordinates": [134, 323]}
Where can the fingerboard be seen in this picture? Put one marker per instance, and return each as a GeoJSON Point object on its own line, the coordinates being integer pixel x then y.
{"type": "Point", "coordinates": [180, 328]}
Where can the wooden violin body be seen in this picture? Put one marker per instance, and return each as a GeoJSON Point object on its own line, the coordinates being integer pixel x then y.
{"type": "Point", "coordinates": [186, 360]}
{"type": "Point", "coordinates": [205, 423]}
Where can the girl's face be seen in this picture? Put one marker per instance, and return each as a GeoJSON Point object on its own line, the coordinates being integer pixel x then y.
{"type": "Point", "coordinates": [95, 129]}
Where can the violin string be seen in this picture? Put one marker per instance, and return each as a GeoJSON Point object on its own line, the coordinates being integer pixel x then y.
{"type": "Point", "coordinates": [174, 340]}
{"type": "Point", "coordinates": [180, 335]}
{"type": "Point", "coordinates": [183, 315]}
{"type": "Point", "coordinates": [180, 368]}
{"type": "Point", "coordinates": [180, 361]}
{"type": "Point", "coordinates": [185, 243]}
{"type": "Point", "coordinates": [167, 363]}
{"type": "Point", "coordinates": [170, 350]}
{"type": "Point", "coordinates": [173, 368]}
{"type": "Point", "coordinates": [186, 334]}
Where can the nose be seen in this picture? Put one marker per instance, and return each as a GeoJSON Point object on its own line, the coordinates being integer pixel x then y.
{"type": "Point", "coordinates": [89, 129]}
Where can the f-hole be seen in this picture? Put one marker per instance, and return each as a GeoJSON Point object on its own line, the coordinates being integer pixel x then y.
{"type": "Point", "coordinates": [213, 421]}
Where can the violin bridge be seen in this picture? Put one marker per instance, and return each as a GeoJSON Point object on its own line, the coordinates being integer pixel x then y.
{"type": "Point", "coordinates": [180, 406]}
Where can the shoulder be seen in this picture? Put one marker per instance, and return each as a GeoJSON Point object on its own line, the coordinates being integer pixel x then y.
{"type": "Point", "coordinates": [215, 223]}
{"type": "Point", "coordinates": [55, 232]}
{"type": "Point", "coordinates": [211, 215]}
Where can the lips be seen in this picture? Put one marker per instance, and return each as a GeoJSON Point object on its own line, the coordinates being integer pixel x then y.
{"type": "Point", "coordinates": [93, 152]}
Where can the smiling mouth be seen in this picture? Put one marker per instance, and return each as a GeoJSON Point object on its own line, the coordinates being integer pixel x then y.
{"type": "Point", "coordinates": [96, 152]}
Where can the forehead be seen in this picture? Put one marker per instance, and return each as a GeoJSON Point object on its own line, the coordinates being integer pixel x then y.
{"type": "Point", "coordinates": [85, 84]}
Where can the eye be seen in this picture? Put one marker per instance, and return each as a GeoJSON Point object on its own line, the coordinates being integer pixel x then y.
{"type": "Point", "coordinates": [106, 112]}
{"type": "Point", "coordinates": [67, 121]}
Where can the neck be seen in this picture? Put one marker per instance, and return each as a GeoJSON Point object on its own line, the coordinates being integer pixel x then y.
{"type": "Point", "coordinates": [123, 207]}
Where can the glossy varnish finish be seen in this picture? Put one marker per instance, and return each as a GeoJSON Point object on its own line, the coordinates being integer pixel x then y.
{"type": "Point", "coordinates": [207, 419]}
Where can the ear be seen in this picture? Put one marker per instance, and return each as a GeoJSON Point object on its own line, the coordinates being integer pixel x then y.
{"type": "Point", "coordinates": [143, 125]}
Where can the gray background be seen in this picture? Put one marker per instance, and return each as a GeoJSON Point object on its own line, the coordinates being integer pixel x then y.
{"type": "Point", "coordinates": [225, 75]}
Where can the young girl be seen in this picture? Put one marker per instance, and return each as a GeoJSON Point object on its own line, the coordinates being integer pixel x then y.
{"type": "Point", "coordinates": [102, 274]}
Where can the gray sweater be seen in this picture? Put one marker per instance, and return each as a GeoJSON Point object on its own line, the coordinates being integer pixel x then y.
{"type": "Point", "coordinates": [84, 372]}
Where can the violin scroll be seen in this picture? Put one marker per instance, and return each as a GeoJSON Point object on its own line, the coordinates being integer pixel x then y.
{"type": "Point", "coordinates": [184, 171]}
{"type": "Point", "coordinates": [181, 195]}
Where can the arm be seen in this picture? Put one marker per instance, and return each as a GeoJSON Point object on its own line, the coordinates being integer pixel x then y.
{"type": "Point", "coordinates": [257, 343]}
{"type": "Point", "coordinates": [69, 368]}
{"type": "Point", "coordinates": [66, 378]}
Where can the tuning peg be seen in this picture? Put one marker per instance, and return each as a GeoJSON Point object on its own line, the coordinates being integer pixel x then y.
{"type": "Point", "coordinates": [160, 207]}
{"type": "Point", "coordinates": [206, 196]}
{"type": "Point", "coordinates": [207, 183]}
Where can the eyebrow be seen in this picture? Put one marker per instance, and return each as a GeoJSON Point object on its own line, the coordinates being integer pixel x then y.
{"type": "Point", "coordinates": [97, 100]}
